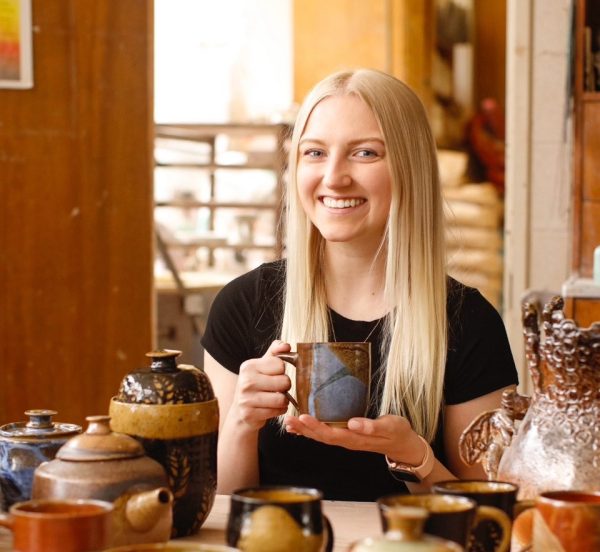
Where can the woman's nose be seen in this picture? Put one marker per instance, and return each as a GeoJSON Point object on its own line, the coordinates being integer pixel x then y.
{"type": "Point", "coordinates": [336, 174]}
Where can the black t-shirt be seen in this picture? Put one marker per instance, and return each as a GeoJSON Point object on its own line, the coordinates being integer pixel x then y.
{"type": "Point", "coordinates": [243, 321]}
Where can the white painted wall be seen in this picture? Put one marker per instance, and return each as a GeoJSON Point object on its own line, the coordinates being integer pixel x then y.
{"type": "Point", "coordinates": [538, 198]}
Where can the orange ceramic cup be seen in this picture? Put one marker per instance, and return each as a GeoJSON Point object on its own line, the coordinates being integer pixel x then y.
{"type": "Point", "coordinates": [568, 521]}
{"type": "Point", "coordinates": [59, 525]}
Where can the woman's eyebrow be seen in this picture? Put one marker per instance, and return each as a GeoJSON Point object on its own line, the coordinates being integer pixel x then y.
{"type": "Point", "coordinates": [351, 142]}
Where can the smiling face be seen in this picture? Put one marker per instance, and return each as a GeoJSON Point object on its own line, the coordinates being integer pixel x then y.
{"type": "Point", "coordinates": [343, 179]}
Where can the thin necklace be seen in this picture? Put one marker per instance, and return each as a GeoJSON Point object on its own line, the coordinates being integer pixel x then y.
{"type": "Point", "coordinates": [333, 329]}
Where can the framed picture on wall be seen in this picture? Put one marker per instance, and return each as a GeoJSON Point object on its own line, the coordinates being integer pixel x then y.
{"type": "Point", "coordinates": [16, 64]}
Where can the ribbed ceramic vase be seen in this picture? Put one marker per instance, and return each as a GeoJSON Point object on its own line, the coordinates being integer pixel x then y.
{"type": "Point", "coordinates": [550, 441]}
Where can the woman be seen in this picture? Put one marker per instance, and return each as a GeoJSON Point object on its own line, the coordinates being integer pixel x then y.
{"type": "Point", "coordinates": [365, 262]}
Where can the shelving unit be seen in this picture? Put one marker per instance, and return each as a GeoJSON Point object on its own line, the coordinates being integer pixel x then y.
{"type": "Point", "coordinates": [586, 177]}
{"type": "Point", "coordinates": [274, 160]}
{"type": "Point", "coordinates": [194, 150]}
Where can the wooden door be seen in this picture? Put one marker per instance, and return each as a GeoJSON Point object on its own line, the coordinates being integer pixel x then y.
{"type": "Point", "coordinates": [76, 244]}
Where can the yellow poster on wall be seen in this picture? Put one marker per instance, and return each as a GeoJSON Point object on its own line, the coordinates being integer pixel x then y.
{"type": "Point", "coordinates": [16, 69]}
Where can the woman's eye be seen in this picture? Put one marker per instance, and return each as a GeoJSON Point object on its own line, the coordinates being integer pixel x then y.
{"type": "Point", "coordinates": [366, 153]}
{"type": "Point", "coordinates": [313, 154]}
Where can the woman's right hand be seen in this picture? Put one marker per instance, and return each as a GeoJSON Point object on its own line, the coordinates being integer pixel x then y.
{"type": "Point", "coordinates": [261, 384]}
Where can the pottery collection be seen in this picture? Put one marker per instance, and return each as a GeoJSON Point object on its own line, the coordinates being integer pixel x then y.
{"type": "Point", "coordinates": [147, 472]}
{"type": "Point", "coordinates": [104, 465]}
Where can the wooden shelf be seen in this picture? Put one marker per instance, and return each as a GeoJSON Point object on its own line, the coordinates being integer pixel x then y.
{"type": "Point", "coordinates": [174, 140]}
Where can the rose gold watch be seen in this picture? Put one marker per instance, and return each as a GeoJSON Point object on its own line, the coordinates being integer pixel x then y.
{"type": "Point", "coordinates": [413, 474]}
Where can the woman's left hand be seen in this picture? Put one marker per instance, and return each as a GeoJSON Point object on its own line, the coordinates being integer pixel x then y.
{"type": "Point", "coordinates": [389, 435]}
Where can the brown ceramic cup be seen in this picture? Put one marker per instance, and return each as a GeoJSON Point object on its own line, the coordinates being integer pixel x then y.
{"type": "Point", "coordinates": [488, 534]}
{"type": "Point", "coordinates": [278, 519]}
{"type": "Point", "coordinates": [450, 517]}
{"type": "Point", "coordinates": [567, 521]}
{"type": "Point", "coordinates": [332, 380]}
{"type": "Point", "coordinates": [59, 525]}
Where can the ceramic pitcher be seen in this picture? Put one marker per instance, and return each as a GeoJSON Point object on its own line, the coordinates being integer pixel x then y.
{"type": "Point", "coordinates": [551, 440]}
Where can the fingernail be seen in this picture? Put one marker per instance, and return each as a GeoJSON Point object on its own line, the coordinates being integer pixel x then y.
{"type": "Point", "coordinates": [354, 424]}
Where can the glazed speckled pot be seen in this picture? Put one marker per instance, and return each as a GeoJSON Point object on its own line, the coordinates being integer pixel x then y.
{"type": "Point", "coordinates": [172, 411]}
{"type": "Point", "coordinates": [23, 447]}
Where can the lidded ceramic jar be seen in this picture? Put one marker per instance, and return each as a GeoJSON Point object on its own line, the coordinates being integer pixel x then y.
{"type": "Point", "coordinates": [105, 465]}
{"type": "Point", "coordinates": [172, 411]}
{"type": "Point", "coordinates": [405, 534]}
{"type": "Point", "coordinates": [23, 447]}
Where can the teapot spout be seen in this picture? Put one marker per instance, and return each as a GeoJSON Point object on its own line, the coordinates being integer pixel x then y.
{"type": "Point", "coordinates": [146, 509]}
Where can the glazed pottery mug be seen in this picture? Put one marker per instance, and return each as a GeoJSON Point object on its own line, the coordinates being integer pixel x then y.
{"type": "Point", "coordinates": [332, 380]}
{"type": "Point", "coordinates": [566, 521]}
{"type": "Point", "coordinates": [487, 534]}
{"type": "Point", "coordinates": [59, 525]}
{"type": "Point", "coordinates": [278, 519]}
{"type": "Point", "coordinates": [450, 517]}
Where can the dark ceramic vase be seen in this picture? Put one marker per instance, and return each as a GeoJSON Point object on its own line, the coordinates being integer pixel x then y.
{"type": "Point", "coordinates": [23, 447]}
{"type": "Point", "coordinates": [173, 412]}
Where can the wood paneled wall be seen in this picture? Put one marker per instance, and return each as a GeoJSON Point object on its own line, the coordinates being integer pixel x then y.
{"type": "Point", "coordinates": [391, 35]}
{"type": "Point", "coordinates": [76, 247]}
{"type": "Point", "coordinates": [489, 50]}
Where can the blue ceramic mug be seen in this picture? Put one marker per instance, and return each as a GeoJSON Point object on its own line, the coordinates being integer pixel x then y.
{"type": "Point", "coordinates": [332, 380]}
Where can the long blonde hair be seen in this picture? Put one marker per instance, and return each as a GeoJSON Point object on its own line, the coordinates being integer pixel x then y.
{"type": "Point", "coordinates": [415, 339]}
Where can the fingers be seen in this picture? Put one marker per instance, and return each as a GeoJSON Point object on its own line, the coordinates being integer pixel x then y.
{"type": "Point", "coordinates": [277, 347]}
{"type": "Point", "coordinates": [361, 433]}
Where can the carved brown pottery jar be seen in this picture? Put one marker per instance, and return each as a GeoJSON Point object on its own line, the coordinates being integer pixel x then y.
{"type": "Point", "coordinates": [173, 412]}
{"type": "Point", "coordinates": [550, 441]}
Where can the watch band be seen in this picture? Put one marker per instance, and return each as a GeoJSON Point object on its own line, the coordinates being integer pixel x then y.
{"type": "Point", "coordinates": [414, 474]}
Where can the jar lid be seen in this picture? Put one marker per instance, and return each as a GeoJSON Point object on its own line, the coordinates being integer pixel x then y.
{"type": "Point", "coordinates": [100, 443]}
{"type": "Point", "coordinates": [39, 426]}
{"type": "Point", "coordinates": [165, 382]}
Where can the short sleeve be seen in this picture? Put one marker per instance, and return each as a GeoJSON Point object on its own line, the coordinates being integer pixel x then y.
{"type": "Point", "coordinates": [479, 357]}
{"type": "Point", "coordinates": [241, 323]}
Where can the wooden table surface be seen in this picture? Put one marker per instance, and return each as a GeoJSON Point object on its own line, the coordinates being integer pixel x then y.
{"type": "Point", "coordinates": [351, 521]}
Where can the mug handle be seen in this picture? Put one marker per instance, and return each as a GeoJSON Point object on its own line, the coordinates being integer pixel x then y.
{"type": "Point", "coordinates": [292, 358]}
{"type": "Point", "coordinates": [328, 530]}
{"type": "Point", "coordinates": [497, 515]}
{"type": "Point", "coordinates": [6, 520]}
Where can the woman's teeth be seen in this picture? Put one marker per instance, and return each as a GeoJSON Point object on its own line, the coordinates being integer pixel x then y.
{"type": "Point", "coordinates": [341, 203]}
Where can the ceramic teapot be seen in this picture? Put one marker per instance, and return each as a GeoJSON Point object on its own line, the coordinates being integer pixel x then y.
{"type": "Point", "coordinates": [551, 440]}
{"type": "Point", "coordinates": [405, 534]}
{"type": "Point", "coordinates": [110, 466]}
{"type": "Point", "coordinates": [23, 447]}
{"type": "Point", "coordinates": [172, 411]}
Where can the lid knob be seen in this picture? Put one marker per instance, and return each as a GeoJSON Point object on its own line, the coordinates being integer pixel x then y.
{"type": "Point", "coordinates": [98, 425]}
{"type": "Point", "coordinates": [40, 419]}
{"type": "Point", "coordinates": [164, 360]}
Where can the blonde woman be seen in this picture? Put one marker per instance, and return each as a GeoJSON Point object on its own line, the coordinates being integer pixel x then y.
{"type": "Point", "coordinates": [365, 262]}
